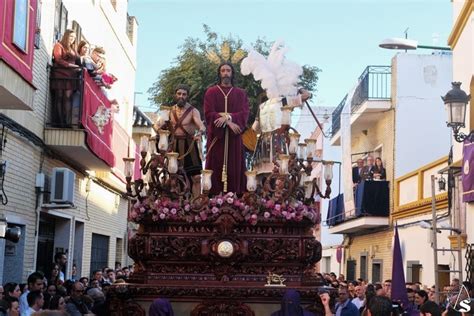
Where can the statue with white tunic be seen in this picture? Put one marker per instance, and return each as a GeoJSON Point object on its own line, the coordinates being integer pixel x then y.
{"type": "Point", "coordinates": [279, 78]}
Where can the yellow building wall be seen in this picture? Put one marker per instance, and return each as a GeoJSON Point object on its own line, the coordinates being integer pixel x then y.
{"type": "Point", "coordinates": [378, 246]}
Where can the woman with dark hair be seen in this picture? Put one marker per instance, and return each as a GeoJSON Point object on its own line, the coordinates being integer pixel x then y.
{"type": "Point", "coordinates": [379, 170]}
{"type": "Point", "coordinates": [57, 302]}
{"type": "Point", "coordinates": [421, 297]}
{"type": "Point", "coordinates": [53, 278]}
{"type": "Point", "coordinates": [63, 73]}
{"type": "Point", "coordinates": [12, 289]}
{"type": "Point", "coordinates": [161, 307]}
{"type": "Point", "coordinates": [290, 305]}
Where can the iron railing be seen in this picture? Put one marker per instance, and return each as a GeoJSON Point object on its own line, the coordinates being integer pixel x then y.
{"type": "Point", "coordinates": [374, 84]}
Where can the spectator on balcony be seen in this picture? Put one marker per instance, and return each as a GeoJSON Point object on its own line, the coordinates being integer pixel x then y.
{"type": "Point", "coordinates": [368, 173]}
{"type": "Point", "coordinates": [379, 170]}
{"type": "Point", "coordinates": [357, 171]}
{"type": "Point", "coordinates": [63, 74]}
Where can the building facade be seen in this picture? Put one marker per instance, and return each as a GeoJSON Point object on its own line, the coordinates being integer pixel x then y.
{"type": "Point", "coordinates": [382, 109]}
{"type": "Point", "coordinates": [461, 41]}
{"type": "Point", "coordinates": [64, 186]}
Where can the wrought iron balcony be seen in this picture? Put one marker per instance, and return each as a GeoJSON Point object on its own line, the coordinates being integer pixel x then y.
{"type": "Point", "coordinates": [82, 127]}
{"type": "Point", "coordinates": [374, 84]}
{"type": "Point", "coordinates": [372, 209]}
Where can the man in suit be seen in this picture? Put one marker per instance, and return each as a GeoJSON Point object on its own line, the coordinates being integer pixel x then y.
{"type": "Point", "coordinates": [368, 172]}
{"type": "Point", "coordinates": [357, 171]}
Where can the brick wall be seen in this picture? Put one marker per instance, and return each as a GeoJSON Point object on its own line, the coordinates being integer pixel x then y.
{"type": "Point", "coordinates": [377, 246]}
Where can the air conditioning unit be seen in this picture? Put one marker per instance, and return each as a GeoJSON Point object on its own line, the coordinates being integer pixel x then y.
{"type": "Point", "coordinates": [62, 186]}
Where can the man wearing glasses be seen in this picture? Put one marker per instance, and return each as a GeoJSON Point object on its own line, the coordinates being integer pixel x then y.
{"type": "Point", "coordinates": [344, 306]}
{"type": "Point", "coordinates": [76, 305]}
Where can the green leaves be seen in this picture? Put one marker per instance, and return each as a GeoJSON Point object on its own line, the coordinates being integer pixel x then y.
{"type": "Point", "coordinates": [197, 63]}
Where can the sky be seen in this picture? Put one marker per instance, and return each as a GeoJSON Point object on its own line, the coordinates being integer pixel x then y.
{"type": "Point", "coordinates": [340, 37]}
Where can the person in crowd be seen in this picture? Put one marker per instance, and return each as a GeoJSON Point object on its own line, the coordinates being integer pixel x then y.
{"type": "Point", "coordinates": [431, 293]}
{"type": "Point", "coordinates": [74, 272]}
{"type": "Point", "coordinates": [35, 283]}
{"type": "Point", "coordinates": [52, 289]}
{"type": "Point", "coordinates": [379, 290]}
{"type": "Point", "coordinates": [160, 307]}
{"type": "Point", "coordinates": [290, 305]}
{"type": "Point", "coordinates": [421, 297]}
{"type": "Point", "coordinates": [344, 306]}
{"type": "Point", "coordinates": [351, 288]}
{"type": "Point", "coordinates": [60, 259]}
{"type": "Point", "coordinates": [341, 278]}
{"type": "Point", "coordinates": [357, 171]}
{"type": "Point", "coordinates": [430, 308]}
{"type": "Point", "coordinates": [54, 276]}
{"type": "Point", "coordinates": [379, 170]}
{"type": "Point", "coordinates": [368, 172]}
{"type": "Point", "coordinates": [86, 60]}
{"type": "Point", "coordinates": [379, 306]}
{"type": "Point", "coordinates": [76, 305]}
{"type": "Point", "coordinates": [97, 276]}
{"type": "Point", "coordinates": [57, 303]}
{"type": "Point", "coordinates": [110, 276]}
{"type": "Point", "coordinates": [35, 302]}
{"type": "Point", "coordinates": [23, 287]}
{"type": "Point", "coordinates": [11, 289]}
{"type": "Point", "coordinates": [13, 306]}
{"type": "Point", "coordinates": [99, 306]}
{"type": "Point", "coordinates": [387, 287]}
{"type": "Point", "coordinates": [118, 266]}
{"type": "Point", "coordinates": [359, 298]}
{"type": "Point", "coordinates": [63, 73]}
{"type": "Point", "coordinates": [84, 281]}
{"type": "Point", "coordinates": [126, 272]}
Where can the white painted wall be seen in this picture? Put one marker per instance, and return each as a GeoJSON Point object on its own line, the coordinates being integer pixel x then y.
{"type": "Point", "coordinates": [415, 244]}
{"type": "Point", "coordinates": [420, 124]}
{"type": "Point", "coordinates": [329, 260]}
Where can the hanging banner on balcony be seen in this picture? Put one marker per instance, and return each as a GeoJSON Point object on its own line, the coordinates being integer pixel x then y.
{"type": "Point", "coordinates": [346, 144]}
{"type": "Point", "coordinates": [97, 119]}
{"type": "Point", "coordinates": [468, 172]}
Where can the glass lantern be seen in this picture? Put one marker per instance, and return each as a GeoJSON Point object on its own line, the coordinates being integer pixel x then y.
{"type": "Point", "coordinates": [284, 161]}
{"type": "Point", "coordinates": [144, 144]}
{"type": "Point", "coordinates": [251, 180]}
{"type": "Point", "coordinates": [302, 151]}
{"type": "Point", "coordinates": [206, 180]}
{"type": "Point", "coordinates": [153, 145]}
{"type": "Point", "coordinates": [308, 189]}
{"type": "Point", "coordinates": [456, 101]}
{"type": "Point", "coordinates": [311, 147]}
{"type": "Point", "coordinates": [328, 170]}
{"type": "Point", "coordinates": [172, 162]}
{"type": "Point", "coordinates": [286, 115]}
{"type": "Point", "coordinates": [128, 167]}
{"type": "Point", "coordinates": [294, 139]}
{"type": "Point", "coordinates": [302, 178]}
{"type": "Point", "coordinates": [163, 142]}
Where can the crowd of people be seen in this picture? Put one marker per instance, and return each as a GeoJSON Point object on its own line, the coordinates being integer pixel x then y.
{"type": "Point", "coordinates": [367, 170]}
{"type": "Point", "coordinates": [52, 294]}
{"type": "Point", "coordinates": [69, 59]}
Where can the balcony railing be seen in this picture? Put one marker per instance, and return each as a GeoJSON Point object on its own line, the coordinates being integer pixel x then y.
{"type": "Point", "coordinates": [80, 107]}
{"type": "Point", "coordinates": [374, 84]}
{"type": "Point", "coordinates": [371, 198]}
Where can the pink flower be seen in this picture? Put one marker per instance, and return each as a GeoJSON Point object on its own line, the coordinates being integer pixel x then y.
{"type": "Point", "coordinates": [212, 202]}
{"type": "Point", "coordinates": [166, 210]}
{"type": "Point", "coordinates": [220, 201]}
{"type": "Point", "coordinates": [215, 210]}
{"type": "Point", "coordinates": [197, 218]}
{"type": "Point", "coordinates": [230, 200]}
{"type": "Point", "coordinates": [266, 214]}
{"type": "Point", "coordinates": [142, 210]}
{"type": "Point", "coordinates": [162, 216]}
{"type": "Point", "coordinates": [277, 207]}
{"type": "Point", "coordinates": [254, 216]}
{"type": "Point", "coordinates": [187, 207]}
{"type": "Point", "coordinates": [133, 215]}
{"type": "Point", "coordinates": [269, 204]}
{"type": "Point", "coordinates": [284, 213]}
{"type": "Point", "coordinates": [203, 215]}
{"type": "Point", "coordinates": [173, 211]}
{"type": "Point", "coordinates": [288, 216]}
{"type": "Point", "coordinates": [237, 203]}
{"type": "Point", "coordinates": [137, 204]}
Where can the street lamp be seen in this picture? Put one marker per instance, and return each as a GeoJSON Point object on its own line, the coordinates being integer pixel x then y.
{"type": "Point", "coordinates": [407, 44]}
{"type": "Point", "coordinates": [456, 101]}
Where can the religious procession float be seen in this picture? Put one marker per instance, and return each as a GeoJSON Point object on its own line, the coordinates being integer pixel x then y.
{"type": "Point", "coordinates": [228, 251]}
